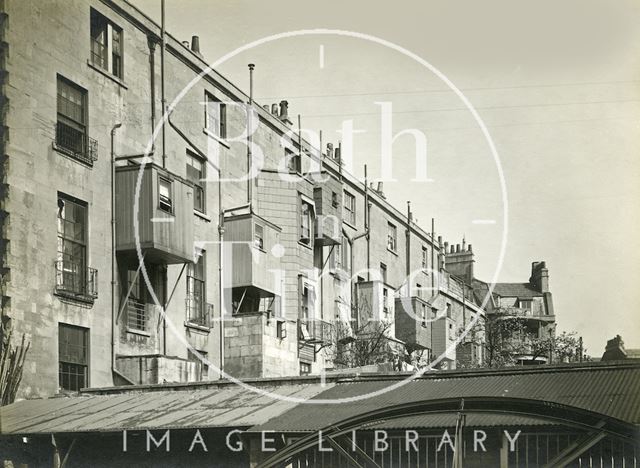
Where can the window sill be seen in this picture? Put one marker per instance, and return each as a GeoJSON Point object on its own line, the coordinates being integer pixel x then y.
{"type": "Point", "coordinates": [308, 246]}
{"type": "Point", "coordinates": [202, 215]}
{"type": "Point", "coordinates": [197, 327]}
{"type": "Point", "coordinates": [394, 252]}
{"type": "Point", "coordinates": [105, 73]}
{"type": "Point", "coordinates": [222, 141]}
{"type": "Point", "coordinates": [138, 332]}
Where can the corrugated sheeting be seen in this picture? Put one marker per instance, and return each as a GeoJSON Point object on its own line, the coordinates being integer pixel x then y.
{"type": "Point", "coordinates": [230, 406]}
{"type": "Point", "coordinates": [448, 420]}
{"type": "Point", "coordinates": [613, 391]}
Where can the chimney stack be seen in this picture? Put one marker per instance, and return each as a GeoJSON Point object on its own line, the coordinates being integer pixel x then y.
{"type": "Point", "coordinates": [380, 189]}
{"type": "Point", "coordinates": [330, 150]}
{"type": "Point", "coordinates": [540, 276]}
{"type": "Point", "coordinates": [195, 44]}
{"type": "Point", "coordinates": [460, 261]}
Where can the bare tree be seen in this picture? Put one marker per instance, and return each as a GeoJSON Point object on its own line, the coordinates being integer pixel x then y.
{"type": "Point", "coordinates": [506, 338]}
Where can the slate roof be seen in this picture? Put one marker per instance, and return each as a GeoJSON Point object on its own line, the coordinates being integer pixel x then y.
{"type": "Point", "coordinates": [522, 290]}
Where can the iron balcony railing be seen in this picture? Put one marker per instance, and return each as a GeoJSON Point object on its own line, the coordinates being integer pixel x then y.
{"type": "Point", "coordinates": [137, 315]}
{"type": "Point", "coordinates": [199, 312]}
{"type": "Point", "coordinates": [76, 280]}
{"type": "Point", "coordinates": [314, 331]}
{"type": "Point", "coordinates": [76, 143]}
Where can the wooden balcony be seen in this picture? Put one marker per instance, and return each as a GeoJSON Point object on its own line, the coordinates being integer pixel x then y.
{"type": "Point", "coordinates": [327, 197]}
{"type": "Point", "coordinates": [413, 323]}
{"type": "Point", "coordinates": [248, 243]}
{"type": "Point", "coordinates": [164, 215]}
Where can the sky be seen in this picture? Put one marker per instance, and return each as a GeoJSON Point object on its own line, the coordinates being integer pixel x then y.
{"type": "Point", "coordinates": [557, 85]}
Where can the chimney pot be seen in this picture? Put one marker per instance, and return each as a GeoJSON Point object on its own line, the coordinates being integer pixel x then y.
{"type": "Point", "coordinates": [186, 44]}
{"type": "Point", "coordinates": [330, 150]}
{"type": "Point", "coordinates": [457, 248]}
{"type": "Point", "coordinates": [380, 187]}
{"type": "Point", "coordinates": [274, 109]}
{"type": "Point", "coordinates": [195, 44]}
{"type": "Point", "coordinates": [266, 107]}
{"type": "Point", "coordinates": [470, 250]}
{"type": "Point", "coordinates": [284, 110]}
{"type": "Point", "coordinates": [453, 249]}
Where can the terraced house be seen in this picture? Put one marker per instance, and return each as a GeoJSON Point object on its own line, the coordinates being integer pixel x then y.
{"type": "Point", "coordinates": [126, 236]}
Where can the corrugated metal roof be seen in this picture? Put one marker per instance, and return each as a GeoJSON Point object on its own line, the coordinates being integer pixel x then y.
{"type": "Point", "coordinates": [230, 406]}
{"type": "Point", "coordinates": [448, 420]}
{"type": "Point", "coordinates": [613, 391]}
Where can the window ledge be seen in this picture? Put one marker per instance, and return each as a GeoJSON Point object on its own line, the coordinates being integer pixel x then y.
{"type": "Point", "coordinates": [105, 73]}
{"type": "Point", "coordinates": [308, 246]}
{"type": "Point", "coordinates": [202, 215]}
{"type": "Point", "coordinates": [394, 252]}
{"type": "Point", "coordinates": [222, 141]}
{"type": "Point", "coordinates": [138, 332]}
{"type": "Point", "coordinates": [352, 226]}
{"type": "Point", "coordinates": [197, 327]}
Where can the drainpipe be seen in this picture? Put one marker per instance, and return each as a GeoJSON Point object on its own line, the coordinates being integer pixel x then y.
{"type": "Point", "coordinates": [162, 85]}
{"type": "Point", "coordinates": [152, 78]}
{"type": "Point", "coordinates": [433, 275]}
{"type": "Point", "coordinates": [367, 213]}
{"type": "Point", "coordinates": [113, 247]}
{"type": "Point", "coordinates": [408, 255]}
{"type": "Point", "coordinates": [250, 141]}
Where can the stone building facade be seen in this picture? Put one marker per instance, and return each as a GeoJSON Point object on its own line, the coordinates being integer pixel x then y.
{"type": "Point", "coordinates": [126, 237]}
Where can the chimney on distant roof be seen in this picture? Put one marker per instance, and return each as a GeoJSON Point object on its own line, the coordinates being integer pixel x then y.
{"type": "Point", "coordinates": [460, 261]}
{"type": "Point", "coordinates": [284, 112]}
{"type": "Point", "coordinates": [195, 44]}
{"type": "Point", "coordinates": [274, 109]}
{"type": "Point", "coordinates": [614, 350]}
{"type": "Point", "coordinates": [540, 276]}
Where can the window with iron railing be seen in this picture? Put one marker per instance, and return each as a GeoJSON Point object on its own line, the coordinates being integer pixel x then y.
{"type": "Point", "coordinates": [73, 277]}
{"type": "Point", "coordinates": [71, 127]}
{"type": "Point", "coordinates": [137, 316]}
{"type": "Point", "coordinates": [73, 357]}
{"type": "Point", "coordinates": [136, 305]}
